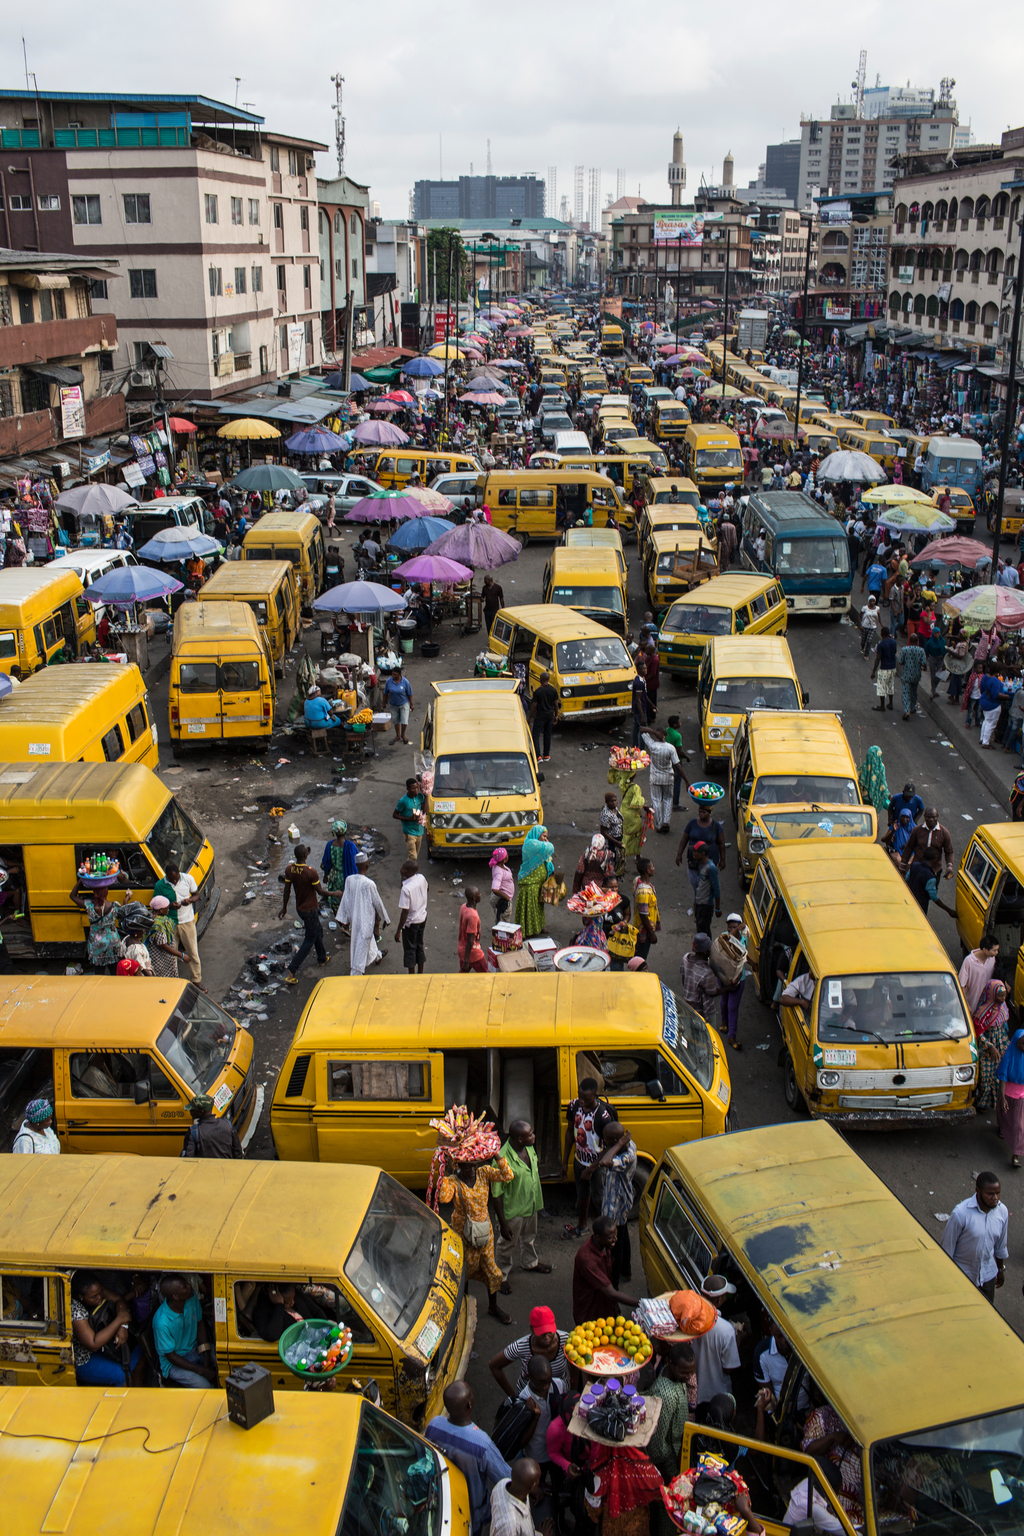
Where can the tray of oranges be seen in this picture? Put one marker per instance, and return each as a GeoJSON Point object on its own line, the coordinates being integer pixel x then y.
{"type": "Point", "coordinates": [608, 1345]}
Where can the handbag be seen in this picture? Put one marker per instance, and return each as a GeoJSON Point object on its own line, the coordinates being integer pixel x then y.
{"type": "Point", "coordinates": [622, 941]}
{"type": "Point", "coordinates": [553, 889]}
{"type": "Point", "coordinates": [477, 1233]}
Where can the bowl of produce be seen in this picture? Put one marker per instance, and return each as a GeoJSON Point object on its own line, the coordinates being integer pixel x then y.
{"type": "Point", "coordinates": [707, 792]}
{"type": "Point", "coordinates": [607, 1346]}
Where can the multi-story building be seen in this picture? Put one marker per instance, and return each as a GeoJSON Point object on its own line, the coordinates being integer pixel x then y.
{"type": "Point", "coordinates": [393, 254]}
{"type": "Point", "coordinates": [955, 243]}
{"type": "Point", "coordinates": [782, 167]}
{"type": "Point", "coordinates": [643, 266]}
{"type": "Point", "coordinates": [852, 262]}
{"type": "Point", "coordinates": [55, 382]}
{"type": "Point", "coordinates": [341, 226]}
{"type": "Point", "coordinates": [212, 220]}
{"type": "Point", "coordinates": [846, 155]}
{"type": "Point", "coordinates": [480, 197]}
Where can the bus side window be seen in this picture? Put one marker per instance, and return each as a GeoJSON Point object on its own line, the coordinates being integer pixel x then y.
{"type": "Point", "coordinates": [678, 1232]}
{"type": "Point", "coordinates": [544, 655]}
{"type": "Point", "coordinates": [113, 744]}
{"type": "Point", "coordinates": [136, 721]}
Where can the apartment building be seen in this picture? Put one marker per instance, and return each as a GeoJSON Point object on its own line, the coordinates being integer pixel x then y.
{"type": "Point", "coordinates": [955, 243]}
{"type": "Point", "coordinates": [210, 217]}
{"type": "Point", "coordinates": [341, 225]}
{"type": "Point", "coordinates": [644, 256]}
{"type": "Point", "coordinates": [846, 155]}
{"type": "Point", "coordinates": [851, 267]}
{"type": "Point", "coordinates": [54, 357]}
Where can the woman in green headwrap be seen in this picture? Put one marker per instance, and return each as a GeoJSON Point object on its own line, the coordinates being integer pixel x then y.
{"type": "Point", "coordinates": [537, 864]}
{"type": "Point", "coordinates": [339, 860]}
{"type": "Point", "coordinates": [871, 776]}
{"type": "Point", "coordinates": [632, 808]}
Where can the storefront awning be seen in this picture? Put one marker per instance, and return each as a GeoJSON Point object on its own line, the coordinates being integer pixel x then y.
{"type": "Point", "coordinates": [55, 374]}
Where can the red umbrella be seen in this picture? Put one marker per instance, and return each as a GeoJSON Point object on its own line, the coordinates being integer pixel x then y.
{"type": "Point", "coordinates": [179, 424]}
{"type": "Point", "coordinates": [953, 551]}
{"type": "Point", "coordinates": [401, 395]}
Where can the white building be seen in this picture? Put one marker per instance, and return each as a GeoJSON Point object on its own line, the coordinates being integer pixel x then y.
{"type": "Point", "coordinates": [845, 155]}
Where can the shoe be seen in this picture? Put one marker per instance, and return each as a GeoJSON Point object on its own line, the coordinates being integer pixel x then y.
{"type": "Point", "coordinates": [735, 1045]}
{"type": "Point", "coordinates": [291, 981]}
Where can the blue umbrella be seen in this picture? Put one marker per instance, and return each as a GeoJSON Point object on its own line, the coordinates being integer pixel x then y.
{"type": "Point", "coordinates": [315, 440]}
{"type": "Point", "coordinates": [336, 381]}
{"type": "Point", "coordinates": [131, 584]}
{"type": "Point", "coordinates": [422, 368]}
{"type": "Point", "coordinates": [420, 532]}
{"type": "Point", "coordinates": [6, 685]}
{"type": "Point", "coordinates": [178, 544]}
{"type": "Point", "coordinates": [359, 597]}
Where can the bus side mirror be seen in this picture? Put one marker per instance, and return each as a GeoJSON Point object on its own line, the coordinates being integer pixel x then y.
{"type": "Point", "coordinates": [655, 1090]}
{"type": "Point", "coordinates": [805, 698]}
{"type": "Point", "coordinates": [142, 1092]}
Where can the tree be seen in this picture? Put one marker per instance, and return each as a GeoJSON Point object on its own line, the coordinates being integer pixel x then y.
{"type": "Point", "coordinates": [444, 245]}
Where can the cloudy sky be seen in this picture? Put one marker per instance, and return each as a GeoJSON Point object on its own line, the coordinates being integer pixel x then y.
{"type": "Point", "coordinates": [549, 82]}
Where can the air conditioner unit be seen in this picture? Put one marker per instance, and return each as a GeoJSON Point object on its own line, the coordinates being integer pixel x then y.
{"type": "Point", "coordinates": [141, 378]}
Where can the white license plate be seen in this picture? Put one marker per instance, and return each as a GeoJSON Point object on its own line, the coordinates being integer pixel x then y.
{"type": "Point", "coordinates": [444, 807]}
{"type": "Point", "coordinates": [814, 602]}
{"type": "Point", "coordinates": [839, 1058]}
{"type": "Point", "coordinates": [196, 730]}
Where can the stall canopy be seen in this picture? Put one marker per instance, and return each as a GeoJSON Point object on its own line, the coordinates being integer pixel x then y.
{"type": "Point", "coordinates": [55, 374]}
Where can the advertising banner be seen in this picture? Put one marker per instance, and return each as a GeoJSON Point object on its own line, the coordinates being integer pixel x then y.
{"type": "Point", "coordinates": [683, 228]}
{"type": "Point", "coordinates": [72, 411]}
{"type": "Point", "coordinates": [836, 311]}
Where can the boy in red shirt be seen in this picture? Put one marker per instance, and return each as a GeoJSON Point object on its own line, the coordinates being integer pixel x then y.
{"type": "Point", "coordinates": [471, 955]}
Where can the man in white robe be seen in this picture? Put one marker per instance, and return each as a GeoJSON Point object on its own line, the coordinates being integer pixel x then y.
{"type": "Point", "coordinates": [362, 909]}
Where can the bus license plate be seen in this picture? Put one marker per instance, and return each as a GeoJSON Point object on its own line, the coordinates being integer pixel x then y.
{"type": "Point", "coordinates": [197, 730]}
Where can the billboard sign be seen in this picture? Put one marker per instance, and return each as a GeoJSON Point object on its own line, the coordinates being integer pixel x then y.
{"type": "Point", "coordinates": [683, 228]}
{"type": "Point", "coordinates": [836, 311]}
{"type": "Point", "coordinates": [72, 411]}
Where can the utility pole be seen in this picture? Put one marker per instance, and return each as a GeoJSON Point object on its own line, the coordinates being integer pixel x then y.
{"type": "Point", "coordinates": [803, 337]}
{"type": "Point", "coordinates": [1011, 382]}
{"type": "Point", "coordinates": [346, 357]}
{"type": "Point", "coordinates": [447, 328]}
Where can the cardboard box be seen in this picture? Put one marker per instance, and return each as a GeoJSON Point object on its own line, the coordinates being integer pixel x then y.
{"type": "Point", "coordinates": [513, 960]}
{"type": "Point", "coordinates": [543, 951]}
{"type": "Point", "coordinates": [507, 936]}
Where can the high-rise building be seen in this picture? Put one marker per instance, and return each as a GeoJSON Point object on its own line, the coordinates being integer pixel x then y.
{"type": "Point", "coordinates": [577, 200]}
{"type": "Point", "coordinates": [847, 156]}
{"type": "Point", "coordinates": [594, 199]}
{"type": "Point", "coordinates": [551, 190]}
{"type": "Point", "coordinates": [480, 197]}
{"type": "Point", "coordinates": [620, 184]}
{"type": "Point", "coordinates": [782, 167]}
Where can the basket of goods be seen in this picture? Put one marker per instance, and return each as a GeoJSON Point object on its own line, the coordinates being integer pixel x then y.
{"type": "Point", "coordinates": [98, 871]}
{"type": "Point", "coordinates": [315, 1348]}
{"type": "Point", "coordinates": [628, 759]}
{"type": "Point", "coordinates": [706, 792]}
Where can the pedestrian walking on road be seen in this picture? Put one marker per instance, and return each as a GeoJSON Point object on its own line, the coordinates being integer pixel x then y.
{"type": "Point", "coordinates": [366, 915]}
{"type": "Point", "coordinates": [186, 933]}
{"type": "Point", "coordinates": [517, 1205]}
{"type": "Point", "coordinates": [471, 954]}
{"type": "Point", "coordinates": [975, 1236]}
{"type": "Point", "coordinates": [910, 665]}
{"type": "Point", "coordinates": [645, 907]}
{"type": "Point", "coordinates": [870, 619]}
{"type": "Point", "coordinates": [618, 1162]}
{"type": "Point", "coordinates": [412, 916]}
{"type": "Point", "coordinates": [503, 886]}
{"type": "Point", "coordinates": [707, 896]}
{"type": "Point", "coordinates": [544, 710]}
{"type": "Point", "coordinates": [1010, 1076]}
{"type": "Point", "coordinates": [665, 773]}
{"type": "Point", "coordinates": [642, 713]}
{"type": "Point", "coordinates": [535, 866]}
{"type": "Point", "coordinates": [883, 673]}
{"type": "Point", "coordinates": [700, 984]}
{"type": "Point", "coordinates": [976, 973]}
{"type": "Point", "coordinates": [467, 1187]}
{"type": "Point", "coordinates": [409, 811]}
{"type": "Point", "coordinates": [304, 880]}
{"type": "Point", "coordinates": [990, 1019]}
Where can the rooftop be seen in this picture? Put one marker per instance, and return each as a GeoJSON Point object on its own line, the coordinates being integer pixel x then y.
{"type": "Point", "coordinates": [203, 109]}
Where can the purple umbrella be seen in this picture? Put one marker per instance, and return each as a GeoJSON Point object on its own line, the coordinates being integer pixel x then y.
{"type": "Point", "coordinates": [384, 433]}
{"type": "Point", "coordinates": [434, 568]}
{"type": "Point", "coordinates": [385, 507]}
{"type": "Point", "coordinates": [478, 545]}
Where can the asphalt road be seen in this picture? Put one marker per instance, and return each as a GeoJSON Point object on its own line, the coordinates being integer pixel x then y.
{"type": "Point", "coordinates": [230, 794]}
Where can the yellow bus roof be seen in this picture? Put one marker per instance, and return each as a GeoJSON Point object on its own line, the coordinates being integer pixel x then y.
{"type": "Point", "coordinates": [62, 802]}
{"type": "Point", "coordinates": [253, 578]}
{"type": "Point", "coordinates": [864, 1294]}
{"type": "Point", "coordinates": [273, 523]}
{"type": "Point", "coordinates": [673, 482]}
{"type": "Point", "coordinates": [530, 1011]}
{"type": "Point", "coordinates": [215, 624]}
{"type": "Point", "coordinates": [663, 540]}
{"type": "Point", "coordinates": [797, 741]}
{"type": "Point", "coordinates": [258, 1218]}
{"type": "Point", "coordinates": [63, 1010]}
{"type": "Point", "coordinates": [728, 591]}
{"type": "Point", "coordinates": [866, 900]}
{"type": "Point", "coordinates": [581, 561]}
{"type": "Point", "coordinates": [597, 538]}
{"type": "Point", "coordinates": [484, 722]}
{"type": "Point", "coordinates": [557, 623]}
{"type": "Point", "coordinates": [744, 655]}
{"type": "Point", "coordinates": [28, 585]}
{"type": "Point", "coordinates": [139, 1462]}
{"type": "Point", "coordinates": [56, 696]}
{"type": "Point", "coordinates": [702, 434]}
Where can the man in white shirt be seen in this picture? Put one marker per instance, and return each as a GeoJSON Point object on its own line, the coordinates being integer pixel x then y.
{"type": "Point", "coordinates": [412, 916]}
{"type": "Point", "coordinates": [799, 992]}
{"type": "Point", "coordinates": [665, 770]}
{"type": "Point", "coordinates": [716, 1352]}
{"type": "Point", "coordinates": [511, 1514]}
{"type": "Point", "coordinates": [188, 940]}
{"type": "Point", "coordinates": [821, 1511]}
{"type": "Point", "coordinates": [975, 1236]}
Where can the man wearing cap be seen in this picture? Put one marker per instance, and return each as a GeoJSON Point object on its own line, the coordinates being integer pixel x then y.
{"type": "Point", "coordinates": [731, 992]}
{"type": "Point", "coordinates": [211, 1135]}
{"type": "Point", "coordinates": [517, 1205]}
{"type": "Point", "coordinates": [364, 912]}
{"type": "Point", "coordinates": [37, 1133]}
{"type": "Point", "coordinates": [907, 800]}
{"type": "Point", "coordinates": [700, 984]}
{"type": "Point", "coordinates": [544, 1338]}
{"type": "Point", "coordinates": [715, 1351]}
{"type": "Point", "coordinates": [701, 828]}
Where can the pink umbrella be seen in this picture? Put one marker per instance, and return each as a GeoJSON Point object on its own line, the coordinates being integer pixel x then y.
{"type": "Point", "coordinates": [474, 353]}
{"type": "Point", "coordinates": [970, 553]}
{"type": "Point", "coordinates": [488, 397]}
{"type": "Point", "coordinates": [383, 433]}
{"type": "Point", "coordinates": [401, 395]}
{"type": "Point", "coordinates": [477, 544]}
{"type": "Point", "coordinates": [434, 503]}
{"type": "Point", "coordinates": [384, 406]}
{"type": "Point", "coordinates": [385, 507]}
{"type": "Point", "coordinates": [433, 568]}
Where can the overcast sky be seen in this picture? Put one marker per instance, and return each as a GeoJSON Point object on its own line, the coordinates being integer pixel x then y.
{"type": "Point", "coordinates": [555, 83]}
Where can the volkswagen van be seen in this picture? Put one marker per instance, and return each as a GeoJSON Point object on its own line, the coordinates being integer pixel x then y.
{"type": "Point", "coordinates": [726, 605]}
{"type": "Point", "coordinates": [589, 665]}
{"type": "Point", "coordinates": [589, 581]}
{"type": "Point", "coordinates": [739, 673]}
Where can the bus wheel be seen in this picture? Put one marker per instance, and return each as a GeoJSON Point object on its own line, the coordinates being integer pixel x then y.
{"type": "Point", "coordinates": [522, 539]}
{"type": "Point", "coordinates": [790, 1087]}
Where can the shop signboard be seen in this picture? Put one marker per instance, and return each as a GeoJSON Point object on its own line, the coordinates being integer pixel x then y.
{"type": "Point", "coordinates": [72, 411]}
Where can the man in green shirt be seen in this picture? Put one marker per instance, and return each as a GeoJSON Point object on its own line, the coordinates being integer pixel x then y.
{"type": "Point", "coordinates": [674, 739]}
{"type": "Point", "coordinates": [407, 812]}
{"type": "Point", "coordinates": [517, 1205]}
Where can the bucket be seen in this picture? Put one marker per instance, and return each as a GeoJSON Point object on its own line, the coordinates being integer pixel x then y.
{"type": "Point", "coordinates": [407, 642]}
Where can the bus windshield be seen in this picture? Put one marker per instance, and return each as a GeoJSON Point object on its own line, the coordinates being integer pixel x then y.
{"type": "Point", "coordinates": [608, 598]}
{"type": "Point", "coordinates": [395, 1485]}
{"type": "Point", "coordinates": [677, 498]}
{"type": "Point", "coordinates": [735, 694]}
{"type": "Point", "coordinates": [592, 656]}
{"type": "Point", "coordinates": [812, 557]}
{"type": "Point", "coordinates": [892, 1007]}
{"type": "Point", "coordinates": [965, 1476]}
{"type": "Point", "coordinates": [696, 619]}
{"type": "Point", "coordinates": [804, 789]}
{"type": "Point", "coordinates": [197, 1039]}
{"type": "Point", "coordinates": [784, 825]}
{"type": "Point", "coordinates": [718, 458]}
{"type": "Point", "coordinates": [175, 838]}
{"type": "Point", "coordinates": [394, 1258]}
{"type": "Point", "coordinates": [473, 774]}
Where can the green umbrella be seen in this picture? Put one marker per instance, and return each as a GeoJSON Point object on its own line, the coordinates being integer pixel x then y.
{"type": "Point", "coordinates": [381, 375]}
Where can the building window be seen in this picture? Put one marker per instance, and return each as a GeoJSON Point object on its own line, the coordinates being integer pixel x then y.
{"type": "Point", "coordinates": [216, 283]}
{"type": "Point", "coordinates": [282, 279]}
{"type": "Point", "coordinates": [86, 209]}
{"type": "Point", "coordinates": [353, 225]}
{"type": "Point", "coordinates": [137, 209]}
{"type": "Point", "coordinates": [98, 290]}
{"type": "Point", "coordinates": [305, 277]}
{"type": "Point", "coordinates": [355, 266]}
{"type": "Point", "coordinates": [279, 216]}
{"type": "Point", "coordinates": [239, 279]}
{"type": "Point", "coordinates": [264, 360]}
{"type": "Point", "coordinates": [257, 279]}
{"type": "Point", "coordinates": [211, 207]}
{"type": "Point", "coordinates": [337, 222]}
{"type": "Point", "coordinates": [254, 210]}
{"type": "Point", "coordinates": [275, 158]}
{"type": "Point", "coordinates": [308, 329]}
{"type": "Point", "coordinates": [19, 203]}
{"type": "Point", "coordinates": [236, 210]}
{"type": "Point", "coordinates": [142, 283]}
{"type": "Point", "coordinates": [51, 305]}
{"type": "Point", "coordinates": [49, 203]}
{"type": "Point", "coordinates": [284, 346]}
{"type": "Point", "coordinates": [292, 166]}
{"type": "Point", "coordinates": [304, 218]}
{"type": "Point", "coordinates": [338, 273]}
{"type": "Point", "coordinates": [26, 309]}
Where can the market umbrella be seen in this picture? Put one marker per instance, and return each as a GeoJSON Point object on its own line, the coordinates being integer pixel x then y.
{"type": "Point", "coordinates": [486, 397]}
{"type": "Point", "coordinates": [383, 433]}
{"type": "Point", "coordinates": [422, 368]}
{"type": "Point", "coordinates": [916, 517]}
{"type": "Point", "coordinates": [269, 477]}
{"type": "Point", "coordinates": [416, 534]}
{"type": "Point", "coordinates": [177, 544]}
{"type": "Point", "coordinates": [384, 407]}
{"type": "Point", "coordinates": [449, 349]}
{"type": "Point", "coordinates": [848, 464]}
{"type": "Point", "coordinates": [401, 395]}
{"type": "Point", "coordinates": [970, 553]}
{"type": "Point", "coordinates": [384, 507]}
{"type": "Point", "coordinates": [894, 496]}
{"type": "Point", "coordinates": [179, 424]}
{"type": "Point", "coordinates": [315, 440]}
{"type": "Point", "coordinates": [95, 500]}
{"type": "Point", "coordinates": [476, 544]}
{"type": "Point", "coordinates": [336, 381]}
{"type": "Point", "coordinates": [778, 428]}
{"type": "Point", "coordinates": [7, 684]}
{"type": "Point", "coordinates": [986, 606]}
{"type": "Point", "coordinates": [381, 375]}
{"type": "Point", "coordinates": [433, 568]}
{"type": "Point", "coordinates": [127, 585]}
{"type": "Point", "coordinates": [359, 597]}
{"type": "Point", "coordinates": [247, 427]}
{"type": "Point", "coordinates": [432, 501]}
{"type": "Point", "coordinates": [507, 362]}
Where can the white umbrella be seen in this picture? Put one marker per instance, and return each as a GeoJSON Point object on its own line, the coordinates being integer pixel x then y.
{"type": "Point", "coordinates": [848, 464]}
{"type": "Point", "coordinates": [95, 500]}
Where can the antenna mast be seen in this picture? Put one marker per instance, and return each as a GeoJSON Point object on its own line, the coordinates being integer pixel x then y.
{"type": "Point", "coordinates": [339, 122]}
{"type": "Point", "coordinates": [858, 84]}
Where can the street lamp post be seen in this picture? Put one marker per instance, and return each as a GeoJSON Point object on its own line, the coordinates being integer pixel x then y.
{"type": "Point", "coordinates": [1011, 382]}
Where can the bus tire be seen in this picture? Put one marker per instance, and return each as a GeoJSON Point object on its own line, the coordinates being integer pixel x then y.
{"type": "Point", "coordinates": [791, 1088]}
{"type": "Point", "coordinates": [522, 539]}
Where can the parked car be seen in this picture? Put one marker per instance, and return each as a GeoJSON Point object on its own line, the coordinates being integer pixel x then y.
{"type": "Point", "coordinates": [348, 489]}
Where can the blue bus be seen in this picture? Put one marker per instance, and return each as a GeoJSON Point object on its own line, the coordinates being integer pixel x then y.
{"type": "Point", "coordinates": [787, 535]}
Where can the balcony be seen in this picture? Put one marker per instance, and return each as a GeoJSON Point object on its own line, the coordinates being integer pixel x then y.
{"type": "Point", "coordinates": [36, 430]}
{"type": "Point", "coordinates": [49, 339]}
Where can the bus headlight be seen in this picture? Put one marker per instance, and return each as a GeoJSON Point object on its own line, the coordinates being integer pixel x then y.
{"type": "Point", "coordinates": [829, 1079]}
{"type": "Point", "coordinates": [714, 733]}
{"type": "Point", "coordinates": [963, 1075]}
{"type": "Point", "coordinates": [757, 844]}
{"type": "Point", "coordinates": [566, 693]}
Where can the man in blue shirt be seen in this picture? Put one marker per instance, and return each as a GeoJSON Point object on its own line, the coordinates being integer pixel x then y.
{"type": "Point", "coordinates": [874, 578]}
{"type": "Point", "coordinates": [179, 1333]}
{"type": "Point", "coordinates": [398, 697]}
{"type": "Point", "coordinates": [405, 811]}
{"type": "Point", "coordinates": [908, 800]}
{"type": "Point", "coordinates": [991, 703]}
{"type": "Point", "coordinates": [883, 673]}
{"type": "Point", "coordinates": [318, 713]}
{"type": "Point", "coordinates": [472, 1450]}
